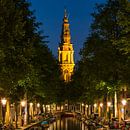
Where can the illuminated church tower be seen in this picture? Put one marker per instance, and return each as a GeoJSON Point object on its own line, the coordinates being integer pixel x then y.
{"type": "Point", "coordinates": [66, 51]}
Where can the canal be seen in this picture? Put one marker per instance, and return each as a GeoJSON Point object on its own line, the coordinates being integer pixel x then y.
{"type": "Point", "coordinates": [67, 124]}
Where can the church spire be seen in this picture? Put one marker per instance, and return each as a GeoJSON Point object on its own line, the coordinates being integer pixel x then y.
{"type": "Point", "coordinates": [65, 13]}
{"type": "Point", "coordinates": [65, 35]}
{"type": "Point", "coordinates": [66, 51]}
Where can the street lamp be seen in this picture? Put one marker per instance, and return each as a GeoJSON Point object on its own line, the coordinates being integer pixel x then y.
{"type": "Point", "coordinates": [31, 104]}
{"type": "Point", "coordinates": [38, 105]}
{"type": "Point", "coordinates": [83, 108]}
{"type": "Point", "coordinates": [31, 109]}
{"type": "Point", "coordinates": [87, 109]}
{"type": "Point", "coordinates": [95, 107]}
{"type": "Point", "coordinates": [3, 101]}
{"type": "Point", "coordinates": [23, 103]}
{"type": "Point", "coordinates": [38, 108]}
{"type": "Point", "coordinates": [124, 101]}
{"type": "Point", "coordinates": [101, 105]}
{"type": "Point", "coordinates": [109, 104]}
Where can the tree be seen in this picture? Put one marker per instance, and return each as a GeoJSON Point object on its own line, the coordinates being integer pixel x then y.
{"type": "Point", "coordinates": [27, 66]}
{"type": "Point", "coordinates": [48, 73]}
{"type": "Point", "coordinates": [105, 55]}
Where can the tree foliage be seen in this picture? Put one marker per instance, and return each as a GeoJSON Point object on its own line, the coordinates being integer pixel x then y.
{"type": "Point", "coordinates": [26, 63]}
{"type": "Point", "coordinates": [105, 55]}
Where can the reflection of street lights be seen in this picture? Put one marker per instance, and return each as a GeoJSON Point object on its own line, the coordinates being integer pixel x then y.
{"type": "Point", "coordinates": [124, 104]}
{"type": "Point", "coordinates": [3, 101]}
{"type": "Point", "coordinates": [109, 104]}
{"type": "Point", "coordinates": [23, 103]}
{"type": "Point", "coordinates": [101, 105]}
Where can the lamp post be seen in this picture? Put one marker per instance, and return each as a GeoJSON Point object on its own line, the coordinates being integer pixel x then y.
{"type": "Point", "coordinates": [31, 109]}
{"type": "Point", "coordinates": [3, 101]}
{"type": "Point", "coordinates": [44, 108]}
{"type": "Point", "coordinates": [87, 109]}
{"type": "Point", "coordinates": [23, 103]}
{"type": "Point", "coordinates": [124, 104]}
{"type": "Point", "coordinates": [95, 108]}
{"type": "Point", "coordinates": [83, 108]}
{"type": "Point", "coordinates": [109, 104]}
{"type": "Point", "coordinates": [101, 105]}
{"type": "Point", "coordinates": [38, 108]}
{"type": "Point", "coordinates": [66, 106]}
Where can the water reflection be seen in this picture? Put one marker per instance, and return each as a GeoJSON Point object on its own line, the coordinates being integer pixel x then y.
{"type": "Point", "coordinates": [67, 124]}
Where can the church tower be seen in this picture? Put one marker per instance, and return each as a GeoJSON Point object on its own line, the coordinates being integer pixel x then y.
{"type": "Point", "coordinates": [66, 51]}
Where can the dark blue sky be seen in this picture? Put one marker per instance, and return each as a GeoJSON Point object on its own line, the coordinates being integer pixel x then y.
{"type": "Point", "coordinates": [50, 13]}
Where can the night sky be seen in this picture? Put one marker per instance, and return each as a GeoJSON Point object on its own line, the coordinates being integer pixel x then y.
{"type": "Point", "coordinates": [50, 13]}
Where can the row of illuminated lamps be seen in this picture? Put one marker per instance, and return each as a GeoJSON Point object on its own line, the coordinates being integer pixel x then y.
{"type": "Point", "coordinates": [23, 103]}
{"type": "Point", "coordinates": [124, 102]}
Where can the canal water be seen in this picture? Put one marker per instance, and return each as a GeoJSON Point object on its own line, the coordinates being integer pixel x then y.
{"type": "Point", "coordinates": [67, 124]}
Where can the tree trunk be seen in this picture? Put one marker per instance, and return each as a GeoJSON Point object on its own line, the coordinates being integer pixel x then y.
{"type": "Point", "coordinates": [7, 114]}
{"type": "Point", "coordinates": [113, 107]}
{"type": "Point", "coordinates": [28, 116]}
{"type": "Point", "coordinates": [115, 101]}
{"type": "Point", "coordinates": [105, 106]}
{"type": "Point", "coordinates": [16, 112]}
